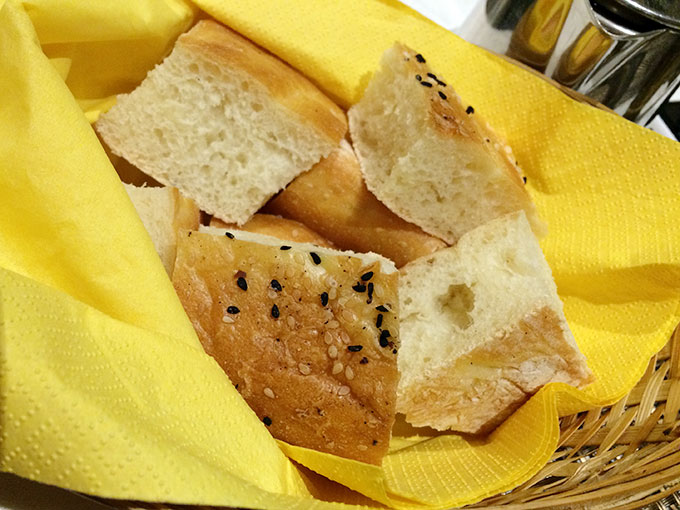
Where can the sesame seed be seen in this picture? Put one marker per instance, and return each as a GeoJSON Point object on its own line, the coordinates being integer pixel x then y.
{"type": "Point", "coordinates": [274, 284]}
{"type": "Point", "coordinates": [333, 324]}
{"type": "Point", "coordinates": [378, 321]}
{"type": "Point", "coordinates": [384, 335]}
{"type": "Point", "coordinates": [331, 281]}
{"type": "Point", "coordinates": [272, 294]}
{"type": "Point", "coordinates": [267, 421]}
{"type": "Point", "coordinates": [362, 447]}
{"type": "Point", "coordinates": [354, 348]}
{"type": "Point", "coordinates": [379, 290]}
{"type": "Point", "coordinates": [299, 258]}
{"type": "Point", "coordinates": [344, 337]}
{"type": "Point", "coordinates": [242, 283]}
{"type": "Point", "coordinates": [315, 258]}
{"type": "Point", "coordinates": [275, 312]}
{"type": "Point", "coordinates": [333, 351]}
{"type": "Point", "coordinates": [426, 84]}
{"type": "Point", "coordinates": [304, 369]}
{"type": "Point", "coordinates": [333, 293]}
{"type": "Point", "coordinates": [328, 338]}
{"type": "Point", "coordinates": [381, 308]}
{"type": "Point", "coordinates": [269, 393]}
{"type": "Point", "coordinates": [420, 58]}
{"type": "Point", "coordinates": [344, 390]}
{"type": "Point", "coordinates": [442, 95]}
{"type": "Point", "coordinates": [367, 276]}
{"type": "Point", "coordinates": [284, 248]}
{"type": "Point", "coordinates": [469, 110]}
{"type": "Point", "coordinates": [337, 367]}
{"type": "Point", "coordinates": [363, 361]}
{"type": "Point", "coordinates": [359, 287]}
{"type": "Point", "coordinates": [349, 373]}
{"type": "Point", "coordinates": [349, 316]}
{"type": "Point", "coordinates": [324, 298]}
{"type": "Point", "coordinates": [233, 309]}
{"type": "Point", "coordinates": [229, 235]}
{"type": "Point", "coordinates": [419, 78]}
{"type": "Point", "coordinates": [227, 320]}
{"type": "Point", "coordinates": [290, 321]}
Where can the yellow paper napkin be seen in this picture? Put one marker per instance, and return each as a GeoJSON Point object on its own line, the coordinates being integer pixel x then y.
{"type": "Point", "coordinates": [104, 388]}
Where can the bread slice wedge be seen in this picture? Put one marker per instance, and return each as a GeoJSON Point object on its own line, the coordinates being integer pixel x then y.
{"type": "Point", "coordinates": [164, 212]}
{"type": "Point", "coordinates": [300, 331]}
{"type": "Point", "coordinates": [333, 200]}
{"type": "Point", "coordinates": [224, 121]}
{"type": "Point", "coordinates": [429, 159]}
{"type": "Point", "coordinates": [482, 329]}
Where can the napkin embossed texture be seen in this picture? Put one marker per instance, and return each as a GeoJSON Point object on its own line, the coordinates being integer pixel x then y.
{"type": "Point", "coordinates": [103, 386]}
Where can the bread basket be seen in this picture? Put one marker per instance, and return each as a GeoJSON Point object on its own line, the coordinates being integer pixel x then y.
{"type": "Point", "coordinates": [619, 455]}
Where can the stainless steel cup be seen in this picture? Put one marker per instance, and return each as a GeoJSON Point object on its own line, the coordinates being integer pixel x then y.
{"type": "Point", "coordinates": [623, 53]}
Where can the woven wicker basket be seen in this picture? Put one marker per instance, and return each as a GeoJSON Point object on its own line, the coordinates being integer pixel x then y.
{"type": "Point", "coordinates": [622, 457]}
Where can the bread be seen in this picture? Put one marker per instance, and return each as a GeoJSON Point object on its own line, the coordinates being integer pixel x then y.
{"type": "Point", "coordinates": [429, 159]}
{"type": "Point", "coordinates": [224, 121]}
{"type": "Point", "coordinates": [275, 226]}
{"type": "Point", "coordinates": [164, 211]}
{"type": "Point", "coordinates": [333, 200]}
{"type": "Point", "coordinates": [482, 328]}
{"type": "Point", "coordinates": [302, 345]}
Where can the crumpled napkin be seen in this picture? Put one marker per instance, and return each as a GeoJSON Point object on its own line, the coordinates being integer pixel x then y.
{"type": "Point", "coordinates": [104, 388]}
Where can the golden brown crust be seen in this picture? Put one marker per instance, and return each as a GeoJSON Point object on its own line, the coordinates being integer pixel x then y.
{"type": "Point", "coordinates": [219, 44]}
{"type": "Point", "coordinates": [333, 200]}
{"type": "Point", "coordinates": [486, 385]}
{"type": "Point", "coordinates": [275, 226]}
{"type": "Point", "coordinates": [284, 366]}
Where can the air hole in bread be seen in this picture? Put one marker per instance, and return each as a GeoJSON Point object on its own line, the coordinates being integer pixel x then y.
{"type": "Point", "coordinates": [193, 68]}
{"type": "Point", "coordinates": [245, 85]}
{"type": "Point", "coordinates": [257, 107]}
{"type": "Point", "coordinates": [457, 303]}
{"type": "Point", "coordinates": [242, 158]}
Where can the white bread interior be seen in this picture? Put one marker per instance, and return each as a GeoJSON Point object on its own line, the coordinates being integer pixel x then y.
{"type": "Point", "coordinates": [429, 159]}
{"type": "Point", "coordinates": [482, 328]}
{"type": "Point", "coordinates": [297, 332]}
{"type": "Point", "coordinates": [164, 211]}
{"type": "Point", "coordinates": [225, 122]}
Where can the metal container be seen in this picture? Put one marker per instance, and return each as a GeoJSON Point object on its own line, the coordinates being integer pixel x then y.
{"type": "Point", "coordinates": [623, 53]}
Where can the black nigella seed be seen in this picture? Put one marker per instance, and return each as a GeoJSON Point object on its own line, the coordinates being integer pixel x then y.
{"type": "Point", "coordinates": [315, 258]}
{"type": "Point", "coordinates": [267, 421]}
{"type": "Point", "coordinates": [359, 287]}
{"type": "Point", "coordinates": [384, 335]}
{"type": "Point", "coordinates": [433, 76]}
{"type": "Point", "coordinates": [470, 110]}
{"type": "Point", "coordinates": [284, 248]}
{"type": "Point", "coordinates": [419, 78]}
{"type": "Point", "coordinates": [394, 351]}
{"type": "Point", "coordinates": [442, 95]}
{"type": "Point", "coordinates": [363, 361]}
{"type": "Point", "coordinates": [420, 58]}
{"type": "Point", "coordinates": [367, 276]}
{"type": "Point", "coordinates": [524, 179]}
{"type": "Point", "coordinates": [242, 283]}
{"type": "Point", "coordinates": [354, 348]}
{"type": "Point", "coordinates": [229, 235]}
{"type": "Point", "coordinates": [378, 321]}
{"type": "Point", "coordinates": [275, 312]}
{"type": "Point", "coordinates": [274, 284]}
{"type": "Point", "coordinates": [381, 308]}
{"type": "Point", "coordinates": [370, 293]}
{"type": "Point", "coordinates": [375, 442]}
{"type": "Point", "coordinates": [233, 309]}
{"type": "Point", "coordinates": [426, 84]}
{"type": "Point", "coordinates": [324, 298]}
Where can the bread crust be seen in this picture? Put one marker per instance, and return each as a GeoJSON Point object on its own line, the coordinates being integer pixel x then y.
{"type": "Point", "coordinates": [286, 364]}
{"type": "Point", "coordinates": [486, 385]}
{"type": "Point", "coordinates": [275, 226]}
{"type": "Point", "coordinates": [333, 199]}
{"type": "Point", "coordinates": [216, 43]}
